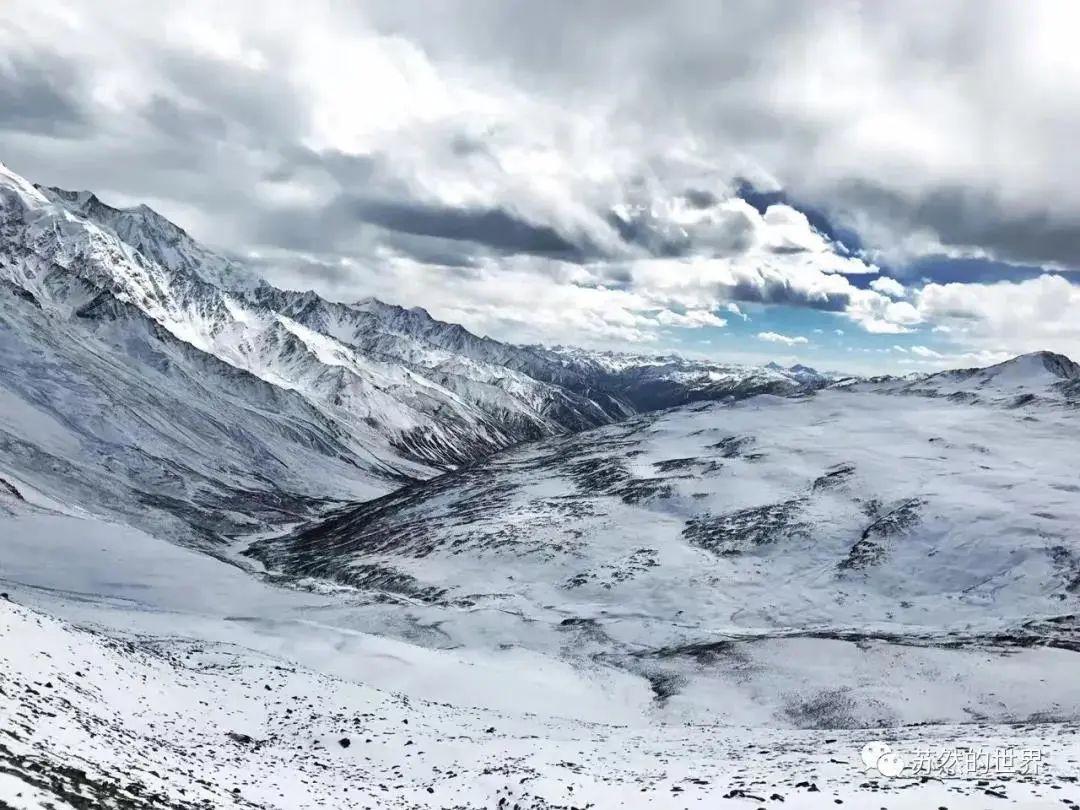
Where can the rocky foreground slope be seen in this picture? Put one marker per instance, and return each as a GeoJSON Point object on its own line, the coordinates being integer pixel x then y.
{"type": "Point", "coordinates": [141, 724]}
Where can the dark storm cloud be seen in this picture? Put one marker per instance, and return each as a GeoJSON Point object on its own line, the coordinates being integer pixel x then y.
{"type": "Point", "coordinates": [375, 198]}
{"type": "Point", "coordinates": [700, 198]}
{"type": "Point", "coordinates": [427, 233]}
{"type": "Point", "coordinates": [645, 232]}
{"type": "Point", "coordinates": [40, 94]}
{"type": "Point", "coordinates": [492, 228]}
{"type": "Point", "coordinates": [617, 277]}
{"type": "Point", "coordinates": [969, 218]}
{"type": "Point", "coordinates": [783, 292]}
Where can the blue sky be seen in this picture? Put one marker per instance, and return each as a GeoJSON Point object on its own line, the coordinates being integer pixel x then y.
{"type": "Point", "coordinates": [832, 342]}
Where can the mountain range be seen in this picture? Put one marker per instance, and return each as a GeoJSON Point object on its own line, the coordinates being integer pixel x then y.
{"type": "Point", "coordinates": [259, 548]}
{"type": "Point", "coordinates": [147, 377]}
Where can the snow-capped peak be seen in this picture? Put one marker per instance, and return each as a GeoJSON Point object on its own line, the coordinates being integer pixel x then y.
{"type": "Point", "coordinates": [1041, 366]}
{"type": "Point", "coordinates": [156, 237]}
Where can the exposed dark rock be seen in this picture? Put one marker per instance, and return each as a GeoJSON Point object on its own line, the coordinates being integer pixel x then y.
{"type": "Point", "coordinates": [872, 545]}
{"type": "Point", "coordinates": [746, 529]}
{"type": "Point", "coordinates": [834, 477]}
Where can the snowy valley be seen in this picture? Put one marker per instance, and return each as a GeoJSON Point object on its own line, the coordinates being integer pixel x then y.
{"type": "Point", "coordinates": [262, 549]}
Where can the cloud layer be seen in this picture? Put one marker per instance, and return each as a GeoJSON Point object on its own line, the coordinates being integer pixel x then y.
{"type": "Point", "coordinates": [505, 166]}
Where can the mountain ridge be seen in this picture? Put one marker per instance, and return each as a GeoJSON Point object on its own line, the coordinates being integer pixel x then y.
{"type": "Point", "coordinates": [385, 390]}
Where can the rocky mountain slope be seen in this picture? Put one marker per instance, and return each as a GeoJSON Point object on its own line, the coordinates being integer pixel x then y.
{"type": "Point", "coordinates": [93, 720]}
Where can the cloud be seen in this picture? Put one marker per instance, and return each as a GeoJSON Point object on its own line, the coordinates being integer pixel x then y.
{"type": "Point", "coordinates": [40, 93]}
{"type": "Point", "coordinates": [923, 351]}
{"type": "Point", "coordinates": [692, 319]}
{"type": "Point", "coordinates": [734, 309]}
{"type": "Point", "coordinates": [1010, 317]}
{"type": "Point", "coordinates": [776, 337]}
{"type": "Point", "coordinates": [437, 155]}
{"type": "Point", "coordinates": [962, 221]}
{"type": "Point", "coordinates": [888, 286]}
{"type": "Point", "coordinates": [937, 360]}
{"type": "Point", "coordinates": [956, 117]}
{"type": "Point", "coordinates": [879, 315]}
{"type": "Point", "coordinates": [492, 228]}
{"type": "Point", "coordinates": [779, 260]}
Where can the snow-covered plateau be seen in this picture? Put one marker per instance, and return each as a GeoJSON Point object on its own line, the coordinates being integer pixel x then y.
{"type": "Point", "coordinates": [261, 549]}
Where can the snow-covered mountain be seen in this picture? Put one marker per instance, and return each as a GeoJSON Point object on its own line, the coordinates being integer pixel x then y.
{"type": "Point", "coordinates": [1039, 377]}
{"type": "Point", "coordinates": [723, 551]}
{"type": "Point", "coordinates": [720, 600]}
{"type": "Point", "coordinates": [136, 360]}
{"type": "Point", "coordinates": [653, 382]}
{"type": "Point", "coordinates": [446, 571]}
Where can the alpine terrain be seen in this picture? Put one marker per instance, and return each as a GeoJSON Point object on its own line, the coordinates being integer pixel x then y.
{"type": "Point", "coordinates": [263, 549]}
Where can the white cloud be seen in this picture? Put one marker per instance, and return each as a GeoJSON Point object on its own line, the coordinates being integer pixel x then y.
{"type": "Point", "coordinates": [776, 337]}
{"type": "Point", "coordinates": [761, 269]}
{"type": "Point", "coordinates": [888, 286]}
{"type": "Point", "coordinates": [878, 315]}
{"type": "Point", "coordinates": [972, 359]}
{"type": "Point", "coordinates": [1014, 317]}
{"type": "Point", "coordinates": [692, 319]}
{"type": "Point", "coordinates": [734, 309]}
{"type": "Point", "coordinates": [923, 351]}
